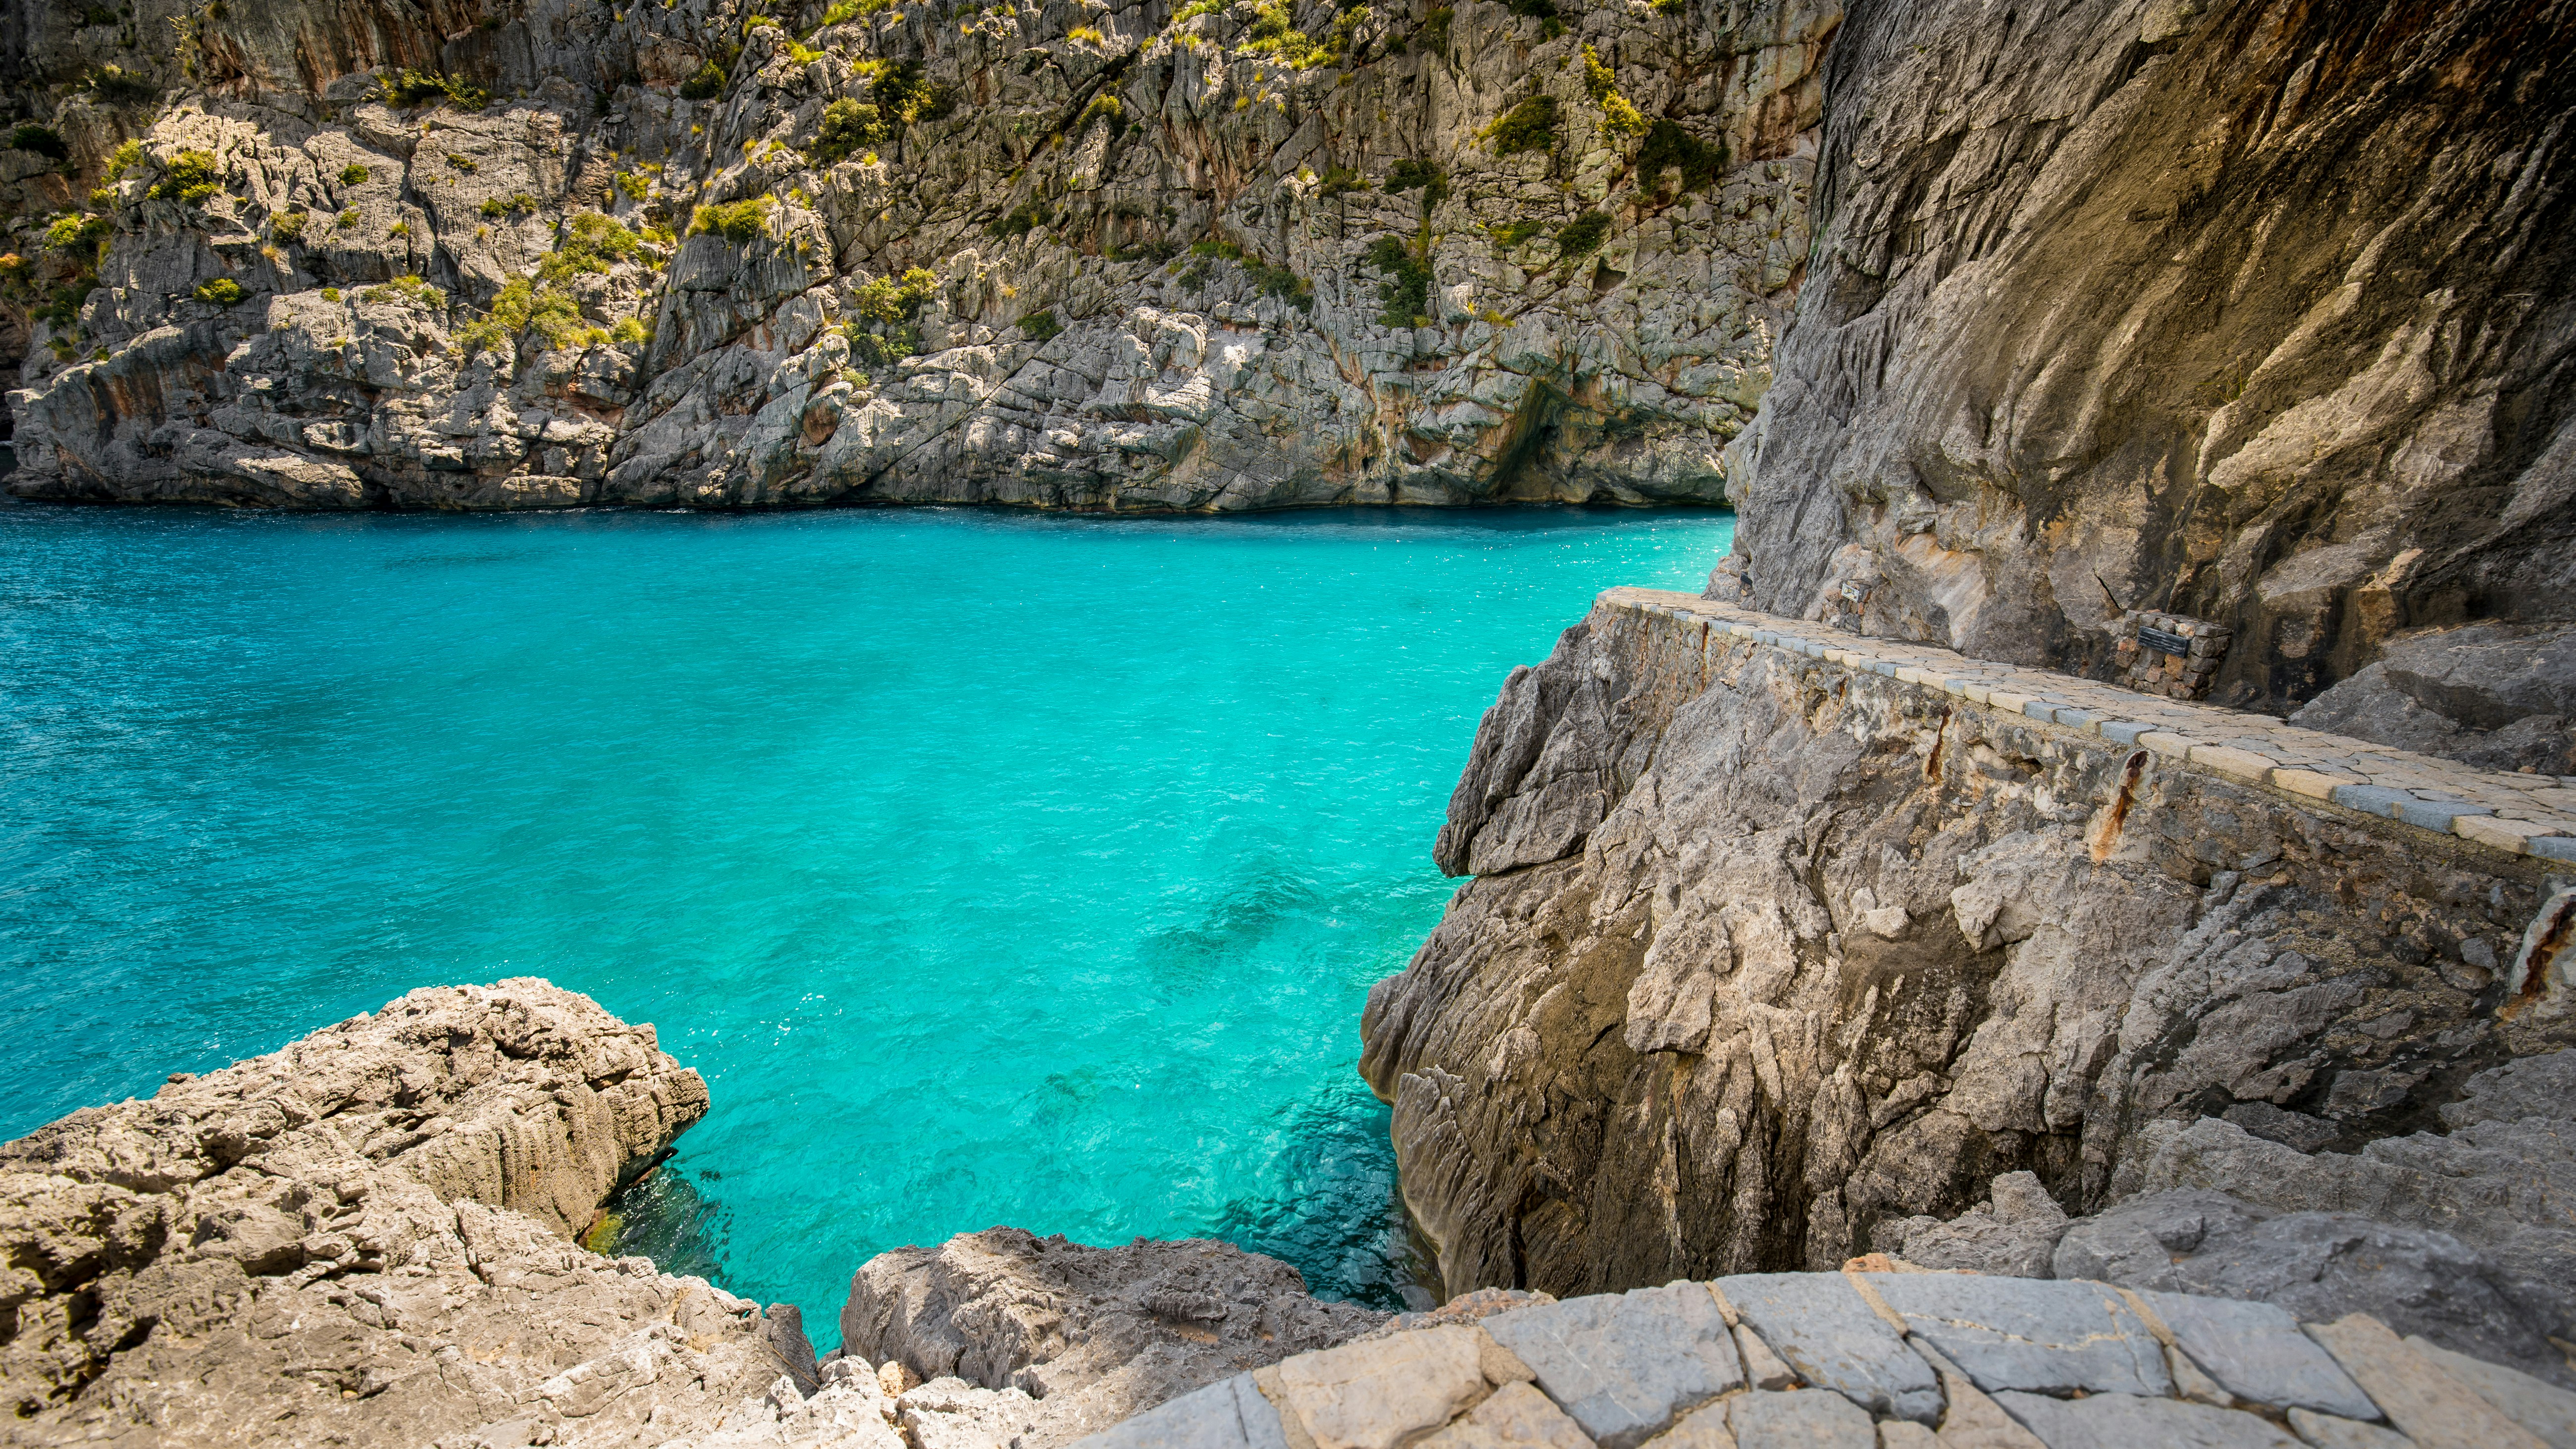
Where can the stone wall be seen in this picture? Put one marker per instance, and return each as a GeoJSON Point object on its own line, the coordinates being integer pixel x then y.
{"type": "Point", "coordinates": [1780, 932]}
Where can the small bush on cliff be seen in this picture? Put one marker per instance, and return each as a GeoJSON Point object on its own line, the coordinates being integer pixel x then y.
{"type": "Point", "coordinates": [1618, 115]}
{"type": "Point", "coordinates": [591, 243]}
{"type": "Point", "coordinates": [116, 86]}
{"type": "Point", "coordinates": [355, 175]}
{"type": "Point", "coordinates": [1529, 126]}
{"type": "Point", "coordinates": [124, 159]}
{"type": "Point", "coordinates": [1040, 326]}
{"type": "Point", "coordinates": [1542, 11]}
{"type": "Point", "coordinates": [707, 84]}
{"type": "Point", "coordinates": [738, 222]}
{"type": "Point", "coordinates": [41, 140]}
{"type": "Point", "coordinates": [1583, 235]}
{"type": "Point", "coordinates": [407, 290]}
{"type": "Point", "coordinates": [287, 226]}
{"type": "Point", "coordinates": [517, 203]}
{"type": "Point", "coordinates": [1409, 175]}
{"type": "Point", "coordinates": [1339, 180]}
{"type": "Point", "coordinates": [1020, 220]}
{"type": "Point", "coordinates": [846, 126]}
{"type": "Point", "coordinates": [222, 291]}
{"type": "Point", "coordinates": [191, 178]}
{"type": "Point", "coordinates": [1668, 148]}
{"type": "Point", "coordinates": [407, 88]}
{"type": "Point", "coordinates": [77, 235]}
{"type": "Point", "coordinates": [1405, 295]}
{"type": "Point", "coordinates": [882, 332]}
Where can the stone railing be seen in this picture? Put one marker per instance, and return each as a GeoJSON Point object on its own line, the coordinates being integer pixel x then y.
{"type": "Point", "coordinates": [2519, 814]}
{"type": "Point", "coordinates": [1871, 1360]}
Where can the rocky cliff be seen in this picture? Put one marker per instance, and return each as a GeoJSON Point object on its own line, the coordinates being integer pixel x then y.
{"type": "Point", "coordinates": [2254, 311]}
{"type": "Point", "coordinates": [1778, 937]}
{"type": "Point", "coordinates": [1067, 254]}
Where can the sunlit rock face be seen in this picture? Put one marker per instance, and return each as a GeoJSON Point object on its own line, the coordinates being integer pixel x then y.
{"type": "Point", "coordinates": [2254, 312]}
{"type": "Point", "coordinates": [1062, 255]}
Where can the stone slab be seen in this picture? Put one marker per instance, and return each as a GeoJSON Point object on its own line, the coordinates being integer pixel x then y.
{"type": "Point", "coordinates": [2256, 1351]}
{"type": "Point", "coordinates": [1826, 1334]}
{"type": "Point", "coordinates": [1516, 1417]}
{"type": "Point", "coordinates": [1378, 1393]}
{"type": "Point", "coordinates": [1625, 1367]}
{"type": "Point", "coordinates": [2128, 1421]}
{"type": "Point", "coordinates": [1805, 1420]}
{"type": "Point", "coordinates": [1229, 1414]}
{"type": "Point", "coordinates": [2427, 1405]}
{"type": "Point", "coordinates": [2545, 1409]}
{"type": "Point", "coordinates": [2030, 1334]}
{"type": "Point", "coordinates": [2325, 1431]}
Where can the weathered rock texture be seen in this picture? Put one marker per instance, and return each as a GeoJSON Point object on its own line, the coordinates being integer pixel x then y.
{"type": "Point", "coordinates": [1061, 1340]}
{"type": "Point", "coordinates": [2253, 310]}
{"type": "Point", "coordinates": [1044, 167]}
{"type": "Point", "coordinates": [1768, 946]}
{"type": "Point", "coordinates": [365, 1239]}
{"type": "Point", "coordinates": [1875, 1360]}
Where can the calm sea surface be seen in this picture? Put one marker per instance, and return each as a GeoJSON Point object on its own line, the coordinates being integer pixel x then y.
{"type": "Point", "coordinates": [993, 868]}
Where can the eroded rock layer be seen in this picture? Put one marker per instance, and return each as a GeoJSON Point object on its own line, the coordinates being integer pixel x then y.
{"type": "Point", "coordinates": [1073, 254]}
{"type": "Point", "coordinates": [366, 1239]}
{"type": "Point", "coordinates": [1767, 947]}
{"type": "Point", "coordinates": [2255, 311]}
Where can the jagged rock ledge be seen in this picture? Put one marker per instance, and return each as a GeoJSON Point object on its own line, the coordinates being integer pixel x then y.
{"type": "Point", "coordinates": [1780, 933]}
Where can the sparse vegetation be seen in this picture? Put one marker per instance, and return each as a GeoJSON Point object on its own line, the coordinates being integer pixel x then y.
{"type": "Point", "coordinates": [124, 159]}
{"type": "Point", "coordinates": [1529, 126]}
{"type": "Point", "coordinates": [408, 88]}
{"type": "Point", "coordinates": [1669, 147]}
{"type": "Point", "coordinates": [1087, 35]}
{"type": "Point", "coordinates": [116, 86]}
{"type": "Point", "coordinates": [355, 175]}
{"type": "Point", "coordinates": [631, 332]}
{"type": "Point", "coordinates": [190, 178]}
{"type": "Point", "coordinates": [1020, 220]}
{"type": "Point", "coordinates": [406, 290]}
{"type": "Point", "coordinates": [461, 163]}
{"type": "Point", "coordinates": [1618, 115]}
{"type": "Point", "coordinates": [1102, 105]}
{"type": "Point", "coordinates": [1435, 28]}
{"type": "Point", "coordinates": [1197, 8]}
{"type": "Point", "coordinates": [883, 332]}
{"type": "Point", "coordinates": [1542, 11]}
{"type": "Point", "coordinates": [517, 203]}
{"type": "Point", "coordinates": [707, 84]}
{"type": "Point", "coordinates": [738, 222]}
{"type": "Point", "coordinates": [42, 140]}
{"type": "Point", "coordinates": [287, 226]}
{"type": "Point", "coordinates": [1512, 234]}
{"type": "Point", "coordinates": [847, 125]}
{"type": "Point", "coordinates": [1405, 294]}
{"type": "Point", "coordinates": [346, 219]}
{"type": "Point", "coordinates": [636, 187]}
{"type": "Point", "coordinates": [1412, 172]}
{"type": "Point", "coordinates": [222, 291]}
{"type": "Point", "coordinates": [1583, 236]}
{"type": "Point", "coordinates": [1339, 180]}
{"type": "Point", "coordinates": [1040, 326]}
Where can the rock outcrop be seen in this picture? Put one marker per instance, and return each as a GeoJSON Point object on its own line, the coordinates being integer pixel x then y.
{"type": "Point", "coordinates": [365, 1238]}
{"type": "Point", "coordinates": [1057, 1340]}
{"type": "Point", "coordinates": [2256, 312]}
{"type": "Point", "coordinates": [1141, 256]}
{"type": "Point", "coordinates": [1776, 937]}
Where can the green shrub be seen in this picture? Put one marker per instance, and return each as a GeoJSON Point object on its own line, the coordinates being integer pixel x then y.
{"type": "Point", "coordinates": [355, 175]}
{"type": "Point", "coordinates": [191, 178]}
{"type": "Point", "coordinates": [287, 226]}
{"type": "Point", "coordinates": [1339, 180]}
{"type": "Point", "coordinates": [116, 86]}
{"type": "Point", "coordinates": [1669, 147]}
{"type": "Point", "coordinates": [483, 336]}
{"type": "Point", "coordinates": [125, 158]}
{"type": "Point", "coordinates": [631, 331]}
{"type": "Point", "coordinates": [1040, 326]}
{"type": "Point", "coordinates": [1197, 8]}
{"type": "Point", "coordinates": [222, 291]}
{"type": "Point", "coordinates": [79, 235]}
{"type": "Point", "coordinates": [1408, 174]}
{"type": "Point", "coordinates": [1542, 11]}
{"type": "Point", "coordinates": [636, 186]}
{"type": "Point", "coordinates": [406, 88]}
{"type": "Point", "coordinates": [1529, 126]}
{"type": "Point", "coordinates": [904, 94]}
{"type": "Point", "coordinates": [738, 222]}
{"type": "Point", "coordinates": [1618, 115]}
{"type": "Point", "coordinates": [461, 163]}
{"type": "Point", "coordinates": [1087, 34]}
{"type": "Point", "coordinates": [1435, 28]}
{"type": "Point", "coordinates": [517, 203]}
{"type": "Point", "coordinates": [1405, 295]}
{"type": "Point", "coordinates": [41, 140]}
{"type": "Point", "coordinates": [93, 13]}
{"type": "Point", "coordinates": [1020, 220]}
{"type": "Point", "coordinates": [1583, 235]}
{"type": "Point", "coordinates": [406, 290]}
{"type": "Point", "coordinates": [330, 294]}
{"type": "Point", "coordinates": [346, 219]}
{"type": "Point", "coordinates": [1103, 105]}
{"type": "Point", "coordinates": [846, 126]}
{"type": "Point", "coordinates": [707, 84]}
{"type": "Point", "coordinates": [1513, 234]}
{"type": "Point", "coordinates": [591, 243]}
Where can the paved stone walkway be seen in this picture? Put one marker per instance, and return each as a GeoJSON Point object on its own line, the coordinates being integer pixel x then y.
{"type": "Point", "coordinates": [2520, 814]}
{"type": "Point", "coordinates": [1902, 1359]}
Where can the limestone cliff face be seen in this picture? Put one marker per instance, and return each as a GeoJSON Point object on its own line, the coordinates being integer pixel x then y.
{"type": "Point", "coordinates": [1764, 950]}
{"type": "Point", "coordinates": [2256, 311]}
{"type": "Point", "coordinates": [1062, 254]}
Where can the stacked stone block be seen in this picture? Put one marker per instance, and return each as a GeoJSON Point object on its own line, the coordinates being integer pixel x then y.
{"type": "Point", "coordinates": [2172, 655]}
{"type": "Point", "coordinates": [1898, 1359]}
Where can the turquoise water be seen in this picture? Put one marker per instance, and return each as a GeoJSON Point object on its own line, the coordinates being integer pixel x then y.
{"type": "Point", "coordinates": [993, 868]}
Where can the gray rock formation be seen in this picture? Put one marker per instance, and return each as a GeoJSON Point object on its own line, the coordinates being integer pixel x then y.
{"type": "Point", "coordinates": [1057, 1340]}
{"type": "Point", "coordinates": [365, 1238]}
{"type": "Point", "coordinates": [2497, 695]}
{"type": "Point", "coordinates": [1136, 256]}
{"type": "Point", "coordinates": [1765, 950]}
{"type": "Point", "coordinates": [2148, 304]}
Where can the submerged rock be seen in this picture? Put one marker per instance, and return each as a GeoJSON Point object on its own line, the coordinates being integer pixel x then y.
{"type": "Point", "coordinates": [1060, 1340]}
